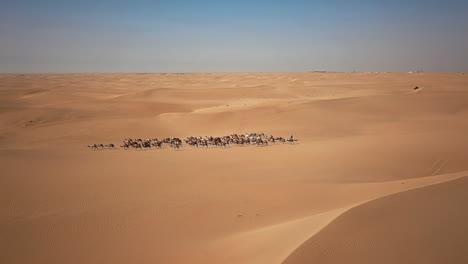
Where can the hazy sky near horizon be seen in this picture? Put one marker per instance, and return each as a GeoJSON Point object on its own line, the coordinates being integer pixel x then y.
{"type": "Point", "coordinates": [232, 36]}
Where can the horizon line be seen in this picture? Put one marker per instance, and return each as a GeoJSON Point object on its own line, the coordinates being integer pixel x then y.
{"type": "Point", "coordinates": [194, 73]}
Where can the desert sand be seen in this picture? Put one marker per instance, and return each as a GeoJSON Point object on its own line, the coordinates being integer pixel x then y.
{"type": "Point", "coordinates": [379, 174]}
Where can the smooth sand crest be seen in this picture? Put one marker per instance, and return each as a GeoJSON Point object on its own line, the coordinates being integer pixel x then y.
{"type": "Point", "coordinates": [361, 137]}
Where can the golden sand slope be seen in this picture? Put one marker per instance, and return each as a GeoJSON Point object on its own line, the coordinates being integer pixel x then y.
{"type": "Point", "coordinates": [362, 137]}
{"type": "Point", "coordinates": [420, 226]}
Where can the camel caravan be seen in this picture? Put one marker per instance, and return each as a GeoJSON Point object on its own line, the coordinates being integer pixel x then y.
{"type": "Point", "coordinates": [258, 139]}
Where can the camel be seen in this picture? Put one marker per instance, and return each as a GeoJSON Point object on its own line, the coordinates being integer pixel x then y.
{"type": "Point", "coordinates": [125, 146]}
{"type": "Point", "coordinates": [281, 139]}
{"type": "Point", "coordinates": [93, 147]}
{"type": "Point", "coordinates": [157, 144]}
{"type": "Point", "coordinates": [176, 145]}
{"type": "Point", "coordinates": [291, 139]}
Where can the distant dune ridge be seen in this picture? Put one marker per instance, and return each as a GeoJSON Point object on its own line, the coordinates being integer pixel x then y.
{"type": "Point", "coordinates": [378, 176]}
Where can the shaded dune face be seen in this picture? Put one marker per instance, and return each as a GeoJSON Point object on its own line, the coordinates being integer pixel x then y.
{"type": "Point", "coordinates": [426, 225]}
{"type": "Point", "coordinates": [361, 137]}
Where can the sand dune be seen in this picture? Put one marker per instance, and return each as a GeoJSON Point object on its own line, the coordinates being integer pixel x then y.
{"type": "Point", "coordinates": [420, 226]}
{"type": "Point", "coordinates": [361, 137]}
{"type": "Point", "coordinates": [272, 244]}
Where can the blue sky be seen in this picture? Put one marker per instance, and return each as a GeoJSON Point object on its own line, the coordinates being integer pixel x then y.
{"type": "Point", "coordinates": [232, 36]}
